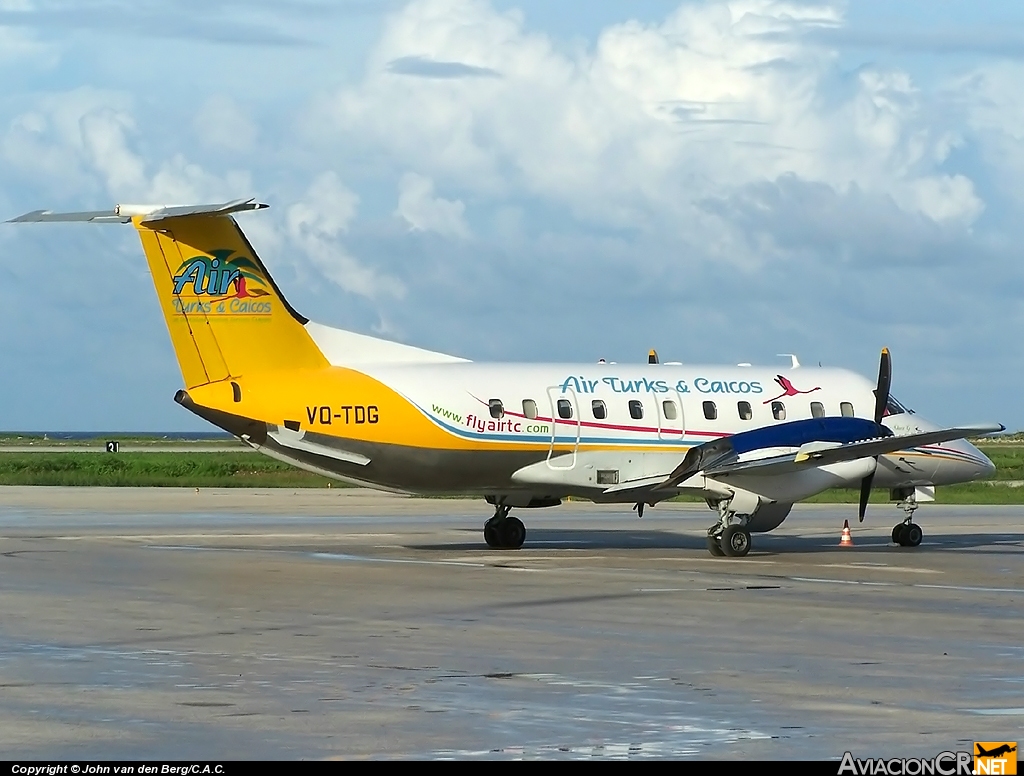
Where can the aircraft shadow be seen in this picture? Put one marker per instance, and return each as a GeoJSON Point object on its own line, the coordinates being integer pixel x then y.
{"type": "Point", "coordinates": [604, 539]}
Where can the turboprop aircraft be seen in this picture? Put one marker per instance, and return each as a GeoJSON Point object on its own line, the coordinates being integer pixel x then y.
{"type": "Point", "coordinates": [750, 441]}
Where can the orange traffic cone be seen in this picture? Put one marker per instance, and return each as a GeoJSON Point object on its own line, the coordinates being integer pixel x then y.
{"type": "Point", "coordinates": [846, 540]}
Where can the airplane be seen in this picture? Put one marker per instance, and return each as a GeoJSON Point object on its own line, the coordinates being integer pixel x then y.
{"type": "Point", "coordinates": [750, 441]}
{"type": "Point", "coordinates": [1003, 749]}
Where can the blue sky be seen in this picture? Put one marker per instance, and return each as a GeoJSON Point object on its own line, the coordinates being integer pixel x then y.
{"type": "Point", "coordinates": [526, 180]}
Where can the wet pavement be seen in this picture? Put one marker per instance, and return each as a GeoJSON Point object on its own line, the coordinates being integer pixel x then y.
{"type": "Point", "coordinates": [165, 623]}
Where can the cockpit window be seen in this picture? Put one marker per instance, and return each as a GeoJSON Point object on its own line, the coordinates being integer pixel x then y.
{"type": "Point", "coordinates": [893, 407]}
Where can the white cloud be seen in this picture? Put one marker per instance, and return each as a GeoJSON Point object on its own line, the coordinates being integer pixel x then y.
{"type": "Point", "coordinates": [17, 45]}
{"type": "Point", "coordinates": [106, 148]}
{"type": "Point", "coordinates": [69, 140]}
{"type": "Point", "coordinates": [653, 118]}
{"type": "Point", "coordinates": [991, 102]}
{"type": "Point", "coordinates": [315, 224]}
{"type": "Point", "coordinates": [223, 124]}
{"type": "Point", "coordinates": [426, 212]}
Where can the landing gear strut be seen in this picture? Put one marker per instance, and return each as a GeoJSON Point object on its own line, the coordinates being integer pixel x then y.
{"type": "Point", "coordinates": [729, 536]}
{"type": "Point", "coordinates": [908, 533]}
{"type": "Point", "coordinates": [502, 532]}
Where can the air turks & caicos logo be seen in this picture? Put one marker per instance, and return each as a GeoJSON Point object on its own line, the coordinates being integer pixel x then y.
{"type": "Point", "coordinates": [220, 284]}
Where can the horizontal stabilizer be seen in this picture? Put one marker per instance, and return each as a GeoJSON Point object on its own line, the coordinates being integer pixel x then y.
{"type": "Point", "coordinates": [122, 214]}
{"type": "Point", "coordinates": [96, 216]}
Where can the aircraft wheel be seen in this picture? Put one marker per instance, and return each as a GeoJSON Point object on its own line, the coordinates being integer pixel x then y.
{"type": "Point", "coordinates": [714, 547]}
{"type": "Point", "coordinates": [491, 534]}
{"type": "Point", "coordinates": [897, 532]}
{"type": "Point", "coordinates": [912, 535]}
{"type": "Point", "coordinates": [735, 541]}
{"type": "Point", "coordinates": [513, 533]}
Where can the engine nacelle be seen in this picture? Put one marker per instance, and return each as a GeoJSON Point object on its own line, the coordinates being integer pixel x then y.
{"type": "Point", "coordinates": [524, 500]}
{"type": "Point", "coordinates": [768, 517]}
{"type": "Point", "coordinates": [798, 485]}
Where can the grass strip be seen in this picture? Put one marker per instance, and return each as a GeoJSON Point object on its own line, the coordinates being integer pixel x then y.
{"type": "Point", "coordinates": [194, 469]}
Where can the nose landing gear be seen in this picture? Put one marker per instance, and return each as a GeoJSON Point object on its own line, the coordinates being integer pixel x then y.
{"type": "Point", "coordinates": [908, 533]}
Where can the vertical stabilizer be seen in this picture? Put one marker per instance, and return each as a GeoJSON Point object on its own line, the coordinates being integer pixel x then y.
{"type": "Point", "coordinates": [226, 316]}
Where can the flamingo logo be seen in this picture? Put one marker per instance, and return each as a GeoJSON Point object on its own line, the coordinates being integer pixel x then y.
{"type": "Point", "coordinates": [788, 389]}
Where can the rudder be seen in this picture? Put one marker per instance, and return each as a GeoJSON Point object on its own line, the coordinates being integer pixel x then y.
{"type": "Point", "coordinates": [225, 314]}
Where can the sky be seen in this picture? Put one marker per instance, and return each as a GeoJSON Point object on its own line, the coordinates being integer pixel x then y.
{"type": "Point", "coordinates": [521, 180]}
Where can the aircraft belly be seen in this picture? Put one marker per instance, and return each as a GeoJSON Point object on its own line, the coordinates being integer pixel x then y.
{"type": "Point", "coordinates": [601, 473]}
{"type": "Point", "coordinates": [406, 468]}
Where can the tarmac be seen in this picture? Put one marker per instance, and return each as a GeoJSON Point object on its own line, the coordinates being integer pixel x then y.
{"type": "Point", "coordinates": [311, 624]}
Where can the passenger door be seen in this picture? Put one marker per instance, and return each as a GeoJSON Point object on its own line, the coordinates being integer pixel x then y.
{"type": "Point", "coordinates": [670, 416]}
{"type": "Point", "coordinates": [565, 425]}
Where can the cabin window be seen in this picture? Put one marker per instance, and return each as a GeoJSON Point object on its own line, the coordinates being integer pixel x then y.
{"type": "Point", "coordinates": [846, 409]}
{"type": "Point", "coordinates": [743, 408]}
{"type": "Point", "coordinates": [564, 409]}
{"type": "Point", "coordinates": [669, 410]}
{"type": "Point", "coordinates": [817, 409]}
{"type": "Point", "coordinates": [530, 408]}
{"type": "Point", "coordinates": [710, 410]}
{"type": "Point", "coordinates": [636, 409]}
{"type": "Point", "coordinates": [599, 409]}
{"type": "Point", "coordinates": [778, 410]}
{"type": "Point", "coordinates": [497, 409]}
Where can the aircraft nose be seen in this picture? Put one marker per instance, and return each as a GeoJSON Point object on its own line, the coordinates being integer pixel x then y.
{"type": "Point", "coordinates": [987, 467]}
{"type": "Point", "coordinates": [981, 463]}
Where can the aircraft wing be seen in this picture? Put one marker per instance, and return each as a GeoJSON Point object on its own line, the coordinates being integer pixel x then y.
{"type": "Point", "coordinates": [818, 454]}
{"type": "Point", "coordinates": [813, 442]}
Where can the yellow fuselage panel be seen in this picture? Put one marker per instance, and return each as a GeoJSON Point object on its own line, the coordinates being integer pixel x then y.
{"type": "Point", "coordinates": [338, 402]}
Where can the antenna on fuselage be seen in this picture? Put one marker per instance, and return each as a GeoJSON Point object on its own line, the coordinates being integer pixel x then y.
{"type": "Point", "coordinates": [652, 357]}
{"type": "Point", "coordinates": [795, 365]}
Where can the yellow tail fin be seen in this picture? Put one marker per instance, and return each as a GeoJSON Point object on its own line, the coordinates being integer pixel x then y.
{"type": "Point", "coordinates": [226, 317]}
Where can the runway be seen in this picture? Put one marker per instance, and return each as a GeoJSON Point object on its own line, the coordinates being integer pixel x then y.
{"type": "Point", "coordinates": [166, 623]}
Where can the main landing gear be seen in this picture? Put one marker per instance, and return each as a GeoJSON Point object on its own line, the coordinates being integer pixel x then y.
{"type": "Point", "coordinates": [908, 533]}
{"type": "Point", "coordinates": [502, 532]}
{"type": "Point", "coordinates": [727, 538]}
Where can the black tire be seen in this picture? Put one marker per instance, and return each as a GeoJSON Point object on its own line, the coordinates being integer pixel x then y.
{"type": "Point", "coordinates": [897, 531]}
{"type": "Point", "coordinates": [491, 534]}
{"type": "Point", "coordinates": [735, 541]}
{"type": "Point", "coordinates": [912, 535]}
{"type": "Point", "coordinates": [714, 547]}
{"type": "Point", "coordinates": [513, 533]}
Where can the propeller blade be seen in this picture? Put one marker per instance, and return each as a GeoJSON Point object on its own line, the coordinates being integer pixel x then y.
{"type": "Point", "coordinates": [884, 383]}
{"type": "Point", "coordinates": [865, 494]}
{"type": "Point", "coordinates": [881, 402]}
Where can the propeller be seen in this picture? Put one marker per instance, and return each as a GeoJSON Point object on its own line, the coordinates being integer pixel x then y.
{"type": "Point", "coordinates": [881, 401]}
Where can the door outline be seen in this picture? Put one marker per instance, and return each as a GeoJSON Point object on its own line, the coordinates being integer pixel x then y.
{"type": "Point", "coordinates": [677, 425]}
{"type": "Point", "coordinates": [573, 399]}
